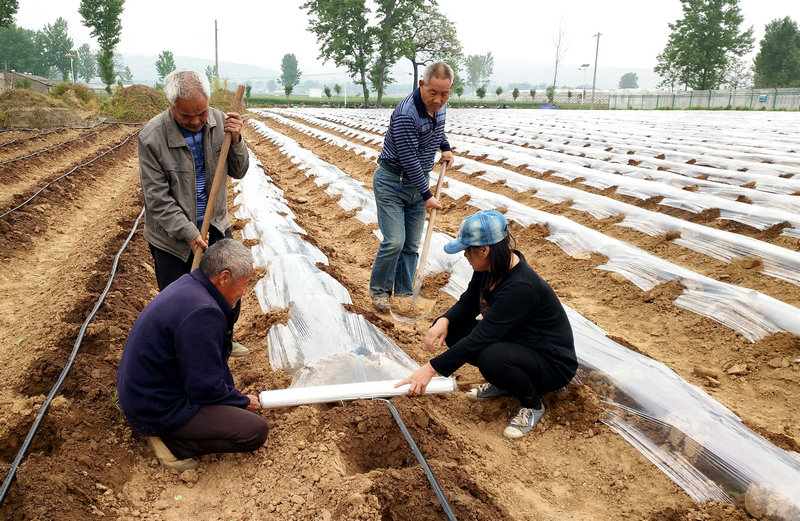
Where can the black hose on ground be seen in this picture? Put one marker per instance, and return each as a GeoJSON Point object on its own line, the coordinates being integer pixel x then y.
{"type": "Point", "coordinates": [54, 391]}
{"type": "Point", "coordinates": [428, 472]}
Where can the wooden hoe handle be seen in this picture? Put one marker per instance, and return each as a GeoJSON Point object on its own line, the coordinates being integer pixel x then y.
{"type": "Point", "coordinates": [421, 268]}
{"type": "Point", "coordinates": [218, 178]}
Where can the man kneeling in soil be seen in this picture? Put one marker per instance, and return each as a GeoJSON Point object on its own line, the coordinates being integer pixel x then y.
{"type": "Point", "coordinates": [174, 383]}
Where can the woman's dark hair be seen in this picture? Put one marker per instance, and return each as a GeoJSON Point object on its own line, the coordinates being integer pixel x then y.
{"type": "Point", "coordinates": [499, 259]}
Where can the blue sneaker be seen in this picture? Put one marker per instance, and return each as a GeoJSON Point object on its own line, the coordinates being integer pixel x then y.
{"type": "Point", "coordinates": [523, 422]}
{"type": "Point", "coordinates": [484, 391]}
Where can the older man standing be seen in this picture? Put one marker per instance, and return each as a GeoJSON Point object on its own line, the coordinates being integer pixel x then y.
{"type": "Point", "coordinates": [174, 383]}
{"type": "Point", "coordinates": [178, 154]}
{"type": "Point", "coordinates": [401, 183]}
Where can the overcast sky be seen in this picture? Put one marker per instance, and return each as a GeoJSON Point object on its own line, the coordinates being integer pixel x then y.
{"type": "Point", "coordinates": [260, 32]}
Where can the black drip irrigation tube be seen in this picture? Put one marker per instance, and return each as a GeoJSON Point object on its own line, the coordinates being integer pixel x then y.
{"type": "Point", "coordinates": [428, 472]}
{"type": "Point", "coordinates": [68, 173]}
{"type": "Point", "coordinates": [12, 472]}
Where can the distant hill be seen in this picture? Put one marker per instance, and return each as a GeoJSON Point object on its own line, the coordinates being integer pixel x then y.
{"type": "Point", "coordinates": [506, 72]}
{"type": "Point", "coordinates": [143, 68]}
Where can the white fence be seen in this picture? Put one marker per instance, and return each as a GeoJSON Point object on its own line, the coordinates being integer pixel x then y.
{"type": "Point", "coordinates": [756, 99]}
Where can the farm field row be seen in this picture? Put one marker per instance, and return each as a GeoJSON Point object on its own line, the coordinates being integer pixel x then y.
{"type": "Point", "coordinates": [349, 461]}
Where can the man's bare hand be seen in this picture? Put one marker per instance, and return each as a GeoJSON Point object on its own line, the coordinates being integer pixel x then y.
{"type": "Point", "coordinates": [447, 157]}
{"type": "Point", "coordinates": [254, 405]}
{"type": "Point", "coordinates": [233, 124]}
{"type": "Point", "coordinates": [432, 204]}
{"type": "Point", "coordinates": [198, 242]}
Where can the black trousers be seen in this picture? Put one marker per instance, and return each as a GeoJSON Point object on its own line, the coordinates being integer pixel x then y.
{"type": "Point", "coordinates": [518, 369]}
{"type": "Point", "coordinates": [216, 429]}
{"type": "Point", "coordinates": [170, 268]}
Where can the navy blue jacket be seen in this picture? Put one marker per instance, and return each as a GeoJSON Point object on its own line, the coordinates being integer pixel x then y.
{"type": "Point", "coordinates": [412, 140]}
{"type": "Point", "coordinates": [176, 358]}
{"type": "Point", "coordinates": [522, 309]}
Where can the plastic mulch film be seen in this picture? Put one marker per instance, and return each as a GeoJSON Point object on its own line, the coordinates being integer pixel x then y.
{"type": "Point", "coordinates": [725, 246]}
{"type": "Point", "coordinates": [698, 443]}
{"type": "Point", "coordinates": [321, 343]}
{"type": "Point", "coordinates": [337, 183]}
{"type": "Point", "coordinates": [777, 262]}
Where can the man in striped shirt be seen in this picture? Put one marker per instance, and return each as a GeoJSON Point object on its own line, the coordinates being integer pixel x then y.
{"type": "Point", "coordinates": [401, 182]}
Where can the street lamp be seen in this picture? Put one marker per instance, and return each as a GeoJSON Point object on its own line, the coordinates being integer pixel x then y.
{"type": "Point", "coordinates": [583, 85]}
{"type": "Point", "coordinates": [71, 57]}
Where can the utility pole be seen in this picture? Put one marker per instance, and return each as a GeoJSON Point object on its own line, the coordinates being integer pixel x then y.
{"type": "Point", "coordinates": [594, 78]}
{"type": "Point", "coordinates": [216, 54]}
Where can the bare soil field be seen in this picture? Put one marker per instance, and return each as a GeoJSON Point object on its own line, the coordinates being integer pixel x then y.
{"type": "Point", "coordinates": [347, 460]}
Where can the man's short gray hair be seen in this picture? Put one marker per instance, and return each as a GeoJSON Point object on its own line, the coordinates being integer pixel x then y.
{"type": "Point", "coordinates": [227, 254]}
{"type": "Point", "coordinates": [437, 70]}
{"type": "Point", "coordinates": [186, 85]}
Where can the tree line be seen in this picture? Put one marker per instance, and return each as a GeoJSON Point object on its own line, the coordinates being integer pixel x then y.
{"type": "Point", "coordinates": [706, 47]}
{"type": "Point", "coordinates": [704, 51]}
{"type": "Point", "coordinates": [50, 51]}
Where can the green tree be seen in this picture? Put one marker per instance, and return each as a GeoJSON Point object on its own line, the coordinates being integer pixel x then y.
{"type": "Point", "coordinates": [8, 8]}
{"type": "Point", "coordinates": [629, 80]}
{"type": "Point", "coordinates": [777, 63]}
{"type": "Point", "coordinates": [433, 38]}
{"type": "Point", "coordinates": [479, 69]}
{"type": "Point", "coordinates": [103, 18]}
{"type": "Point", "coordinates": [481, 91]}
{"type": "Point", "coordinates": [54, 44]}
{"type": "Point", "coordinates": [122, 71]}
{"type": "Point", "coordinates": [550, 92]}
{"type": "Point", "coordinates": [515, 94]}
{"type": "Point", "coordinates": [498, 91]}
{"type": "Point", "coordinates": [165, 64]}
{"type": "Point", "coordinates": [344, 35]}
{"type": "Point", "coordinates": [20, 52]}
{"type": "Point", "coordinates": [86, 63]}
{"type": "Point", "coordinates": [290, 74]}
{"type": "Point", "coordinates": [533, 94]}
{"type": "Point", "coordinates": [338, 89]}
{"type": "Point", "coordinates": [248, 88]}
{"type": "Point", "coordinates": [328, 93]}
{"type": "Point", "coordinates": [211, 73]}
{"type": "Point", "coordinates": [459, 90]}
{"type": "Point", "coordinates": [667, 68]}
{"type": "Point", "coordinates": [703, 42]}
{"type": "Point", "coordinates": [739, 74]}
{"type": "Point", "coordinates": [392, 40]}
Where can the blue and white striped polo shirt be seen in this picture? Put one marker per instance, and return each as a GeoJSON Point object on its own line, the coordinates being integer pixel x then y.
{"type": "Point", "coordinates": [412, 140]}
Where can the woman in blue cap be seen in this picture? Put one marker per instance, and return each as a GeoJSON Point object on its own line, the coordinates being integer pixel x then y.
{"type": "Point", "coordinates": [521, 340]}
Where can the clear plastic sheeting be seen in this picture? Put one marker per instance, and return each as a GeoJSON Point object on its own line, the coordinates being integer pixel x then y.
{"type": "Point", "coordinates": [321, 343]}
{"type": "Point", "coordinates": [722, 245]}
{"type": "Point", "coordinates": [725, 246]}
{"type": "Point", "coordinates": [696, 441]}
{"type": "Point", "coordinates": [291, 275]}
{"type": "Point", "coordinates": [337, 183]}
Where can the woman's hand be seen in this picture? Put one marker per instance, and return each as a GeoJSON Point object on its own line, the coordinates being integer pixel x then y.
{"type": "Point", "coordinates": [418, 380]}
{"type": "Point", "coordinates": [436, 334]}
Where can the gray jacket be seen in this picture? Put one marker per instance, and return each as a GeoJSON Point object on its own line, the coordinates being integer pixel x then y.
{"type": "Point", "coordinates": [166, 169]}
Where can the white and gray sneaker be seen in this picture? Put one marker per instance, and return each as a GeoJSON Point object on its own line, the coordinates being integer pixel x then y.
{"type": "Point", "coordinates": [523, 422]}
{"type": "Point", "coordinates": [484, 391]}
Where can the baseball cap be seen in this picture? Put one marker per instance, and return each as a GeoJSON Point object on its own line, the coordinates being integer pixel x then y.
{"type": "Point", "coordinates": [481, 229]}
